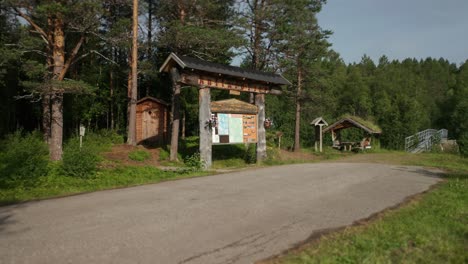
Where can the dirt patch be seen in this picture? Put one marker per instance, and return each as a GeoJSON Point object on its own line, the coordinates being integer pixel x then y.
{"type": "Point", "coordinates": [119, 155]}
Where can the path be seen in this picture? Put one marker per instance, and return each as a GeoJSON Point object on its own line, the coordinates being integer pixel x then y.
{"type": "Point", "coordinates": [237, 217]}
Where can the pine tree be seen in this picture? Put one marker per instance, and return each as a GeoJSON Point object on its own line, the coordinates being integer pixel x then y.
{"type": "Point", "coordinates": [56, 23]}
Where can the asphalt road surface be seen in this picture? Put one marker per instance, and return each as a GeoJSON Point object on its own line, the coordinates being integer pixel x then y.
{"type": "Point", "coordinates": [237, 217]}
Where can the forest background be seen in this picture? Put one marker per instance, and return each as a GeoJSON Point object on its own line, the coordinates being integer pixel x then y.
{"type": "Point", "coordinates": [402, 97]}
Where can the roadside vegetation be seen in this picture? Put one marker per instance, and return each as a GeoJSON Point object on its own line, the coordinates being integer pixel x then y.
{"type": "Point", "coordinates": [27, 174]}
{"type": "Point", "coordinates": [432, 228]}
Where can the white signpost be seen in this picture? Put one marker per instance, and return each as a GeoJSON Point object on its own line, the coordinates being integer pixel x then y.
{"type": "Point", "coordinates": [82, 133]}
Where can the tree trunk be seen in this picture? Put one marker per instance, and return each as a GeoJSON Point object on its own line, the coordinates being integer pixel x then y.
{"type": "Point", "coordinates": [56, 128]}
{"type": "Point", "coordinates": [111, 101]}
{"type": "Point", "coordinates": [182, 132]}
{"type": "Point", "coordinates": [175, 114]}
{"type": "Point", "coordinates": [46, 117]}
{"type": "Point", "coordinates": [134, 88]}
{"type": "Point", "coordinates": [150, 36]}
{"type": "Point", "coordinates": [297, 129]}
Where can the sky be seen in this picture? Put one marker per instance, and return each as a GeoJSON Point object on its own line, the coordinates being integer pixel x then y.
{"type": "Point", "coordinates": [398, 29]}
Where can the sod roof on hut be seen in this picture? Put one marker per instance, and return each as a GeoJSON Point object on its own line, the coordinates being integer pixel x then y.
{"type": "Point", "coordinates": [233, 106]}
{"type": "Point", "coordinates": [354, 121]}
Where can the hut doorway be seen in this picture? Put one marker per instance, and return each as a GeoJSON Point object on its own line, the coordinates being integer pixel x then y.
{"type": "Point", "coordinates": [150, 123]}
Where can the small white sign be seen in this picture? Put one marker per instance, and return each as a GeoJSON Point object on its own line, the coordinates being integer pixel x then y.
{"type": "Point", "coordinates": [82, 130]}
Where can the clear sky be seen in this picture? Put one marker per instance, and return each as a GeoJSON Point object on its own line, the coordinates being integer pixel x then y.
{"type": "Point", "coordinates": [397, 28]}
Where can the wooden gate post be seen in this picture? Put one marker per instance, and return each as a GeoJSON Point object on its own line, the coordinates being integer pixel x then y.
{"type": "Point", "coordinates": [175, 114]}
{"type": "Point", "coordinates": [204, 100]}
{"type": "Point", "coordinates": [261, 142]}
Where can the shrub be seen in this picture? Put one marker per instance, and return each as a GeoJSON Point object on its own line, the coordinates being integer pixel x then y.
{"type": "Point", "coordinates": [139, 155]}
{"type": "Point", "coordinates": [81, 163]}
{"type": "Point", "coordinates": [23, 158]}
{"type": "Point", "coordinates": [194, 162]}
{"type": "Point", "coordinates": [163, 154]}
{"type": "Point", "coordinates": [462, 142]}
{"type": "Point", "coordinates": [250, 156]}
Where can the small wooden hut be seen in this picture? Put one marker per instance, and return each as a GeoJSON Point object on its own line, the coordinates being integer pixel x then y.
{"type": "Point", "coordinates": [368, 127]}
{"type": "Point", "coordinates": [152, 117]}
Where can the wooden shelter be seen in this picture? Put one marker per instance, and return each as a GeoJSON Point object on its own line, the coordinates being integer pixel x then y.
{"type": "Point", "coordinates": [318, 124]}
{"type": "Point", "coordinates": [368, 127]}
{"type": "Point", "coordinates": [206, 76]}
{"type": "Point", "coordinates": [152, 116]}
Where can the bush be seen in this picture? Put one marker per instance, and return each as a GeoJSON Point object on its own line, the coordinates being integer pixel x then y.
{"type": "Point", "coordinates": [194, 162]}
{"type": "Point", "coordinates": [250, 156]}
{"type": "Point", "coordinates": [81, 163]}
{"type": "Point", "coordinates": [462, 142]}
{"type": "Point", "coordinates": [139, 155]}
{"type": "Point", "coordinates": [163, 154]}
{"type": "Point", "coordinates": [23, 159]}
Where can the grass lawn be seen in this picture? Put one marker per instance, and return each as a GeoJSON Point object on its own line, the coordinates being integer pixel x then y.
{"type": "Point", "coordinates": [433, 228]}
{"type": "Point", "coordinates": [55, 184]}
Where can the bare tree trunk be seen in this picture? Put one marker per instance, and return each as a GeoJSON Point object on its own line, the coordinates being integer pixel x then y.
{"type": "Point", "coordinates": [111, 101]}
{"type": "Point", "coordinates": [55, 146]}
{"type": "Point", "coordinates": [297, 128]}
{"type": "Point", "coordinates": [46, 117]}
{"type": "Point", "coordinates": [131, 140]}
{"type": "Point", "coordinates": [182, 132]}
{"type": "Point", "coordinates": [175, 114]}
{"type": "Point", "coordinates": [149, 50]}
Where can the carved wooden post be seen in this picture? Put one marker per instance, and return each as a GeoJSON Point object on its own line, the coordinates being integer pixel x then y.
{"type": "Point", "coordinates": [261, 143]}
{"type": "Point", "coordinates": [204, 100]}
{"type": "Point", "coordinates": [175, 114]}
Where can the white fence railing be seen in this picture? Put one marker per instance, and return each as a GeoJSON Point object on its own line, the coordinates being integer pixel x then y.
{"type": "Point", "coordinates": [423, 141]}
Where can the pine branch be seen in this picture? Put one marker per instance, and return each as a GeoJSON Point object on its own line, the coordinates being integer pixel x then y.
{"type": "Point", "coordinates": [43, 34]}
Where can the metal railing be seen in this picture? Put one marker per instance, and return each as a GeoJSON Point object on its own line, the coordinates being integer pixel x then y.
{"type": "Point", "coordinates": [424, 140]}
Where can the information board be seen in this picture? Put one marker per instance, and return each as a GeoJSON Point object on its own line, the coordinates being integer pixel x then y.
{"type": "Point", "coordinates": [235, 129]}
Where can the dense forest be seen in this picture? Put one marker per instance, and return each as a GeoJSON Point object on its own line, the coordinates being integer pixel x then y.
{"type": "Point", "coordinates": [91, 42]}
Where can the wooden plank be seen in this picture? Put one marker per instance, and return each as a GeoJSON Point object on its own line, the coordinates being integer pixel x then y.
{"type": "Point", "coordinates": [204, 99]}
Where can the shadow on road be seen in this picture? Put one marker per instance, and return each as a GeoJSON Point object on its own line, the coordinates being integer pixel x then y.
{"type": "Point", "coordinates": [433, 173]}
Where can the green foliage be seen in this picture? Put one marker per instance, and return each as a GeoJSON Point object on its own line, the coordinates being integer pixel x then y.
{"type": "Point", "coordinates": [139, 155]}
{"type": "Point", "coordinates": [163, 154]}
{"type": "Point", "coordinates": [194, 162]}
{"type": "Point", "coordinates": [81, 163]}
{"type": "Point", "coordinates": [57, 184]}
{"type": "Point", "coordinates": [99, 141]}
{"type": "Point", "coordinates": [23, 159]}
{"type": "Point", "coordinates": [463, 144]}
{"type": "Point", "coordinates": [250, 156]}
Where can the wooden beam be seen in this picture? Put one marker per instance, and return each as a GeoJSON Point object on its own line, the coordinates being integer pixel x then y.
{"type": "Point", "coordinates": [261, 143]}
{"type": "Point", "coordinates": [204, 99]}
{"type": "Point", "coordinates": [194, 79]}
